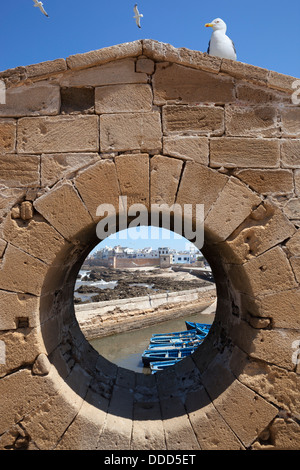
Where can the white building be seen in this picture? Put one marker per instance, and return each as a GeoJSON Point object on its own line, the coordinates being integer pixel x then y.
{"type": "Point", "coordinates": [182, 257]}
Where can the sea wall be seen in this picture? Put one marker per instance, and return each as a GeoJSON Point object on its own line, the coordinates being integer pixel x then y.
{"type": "Point", "coordinates": [116, 316]}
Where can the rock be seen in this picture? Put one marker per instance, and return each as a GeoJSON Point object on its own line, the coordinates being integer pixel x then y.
{"type": "Point", "coordinates": [42, 365]}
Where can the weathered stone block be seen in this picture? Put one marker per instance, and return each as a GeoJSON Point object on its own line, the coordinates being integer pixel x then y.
{"type": "Point", "coordinates": [251, 94]}
{"type": "Point", "coordinates": [147, 429]}
{"type": "Point", "coordinates": [46, 425]}
{"type": "Point", "coordinates": [99, 185]}
{"type": "Point", "coordinates": [133, 175]}
{"type": "Point", "coordinates": [290, 122]}
{"type": "Point", "coordinates": [257, 234]}
{"type": "Point", "coordinates": [37, 238]}
{"type": "Point", "coordinates": [268, 181]}
{"type": "Point", "coordinates": [237, 404]}
{"type": "Point", "coordinates": [14, 403]}
{"type": "Point", "coordinates": [187, 147]}
{"type": "Point", "coordinates": [65, 211]}
{"type": "Point", "coordinates": [292, 208]}
{"type": "Point", "coordinates": [231, 208]}
{"type": "Point", "coordinates": [284, 435]}
{"type": "Point", "coordinates": [131, 131]}
{"type": "Point", "coordinates": [164, 178]}
{"type": "Point", "coordinates": [46, 68]}
{"type": "Point", "coordinates": [107, 54]}
{"type": "Point", "coordinates": [9, 198]}
{"type": "Point", "coordinates": [279, 81]}
{"type": "Point", "coordinates": [295, 262]}
{"type": "Point", "coordinates": [206, 120]}
{"type": "Point", "coordinates": [161, 52]}
{"type": "Point", "coordinates": [55, 167]}
{"type": "Point", "coordinates": [32, 100]}
{"type": "Point", "coordinates": [187, 85]}
{"type": "Point", "coordinates": [272, 346]}
{"type": "Point", "coordinates": [242, 70]}
{"type": "Point", "coordinates": [277, 385]}
{"type": "Point", "coordinates": [290, 153]}
{"type": "Point", "coordinates": [200, 185]}
{"type": "Point", "coordinates": [22, 346]}
{"type": "Point", "coordinates": [145, 65]}
{"type": "Point", "coordinates": [14, 272]}
{"type": "Point", "coordinates": [259, 121]}
{"type": "Point", "coordinates": [283, 308]}
{"type": "Point", "coordinates": [233, 152]}
{"type": "Point", "coordinates": [120, 71]}
{"type": "Point", "coordinates": [297, 182]}
{"type": "Point", "coordinates": [18, 306]}
{"type": "Point", "coordinates": [262, 275]}
{"type": "Point", "coordinates": [293, 245]}
{"type": "Point", "coordinates": [20, 170]}
{"type": "Point", "coordinates": [58, 134]}
{"type": "Point", "coordinates": [88, 423]}
{"type": "Point", "coordinates": [3, 245]}
{"type": "Point", "coordinates": [178, 430]}
{"type": "Point", "coordinates": [124, 98]}
{"type": "Point", "coordinates": [212, 431]}
{"type": "Point", "coordinates": [117, 432]}
{"type": "Point", "coordinates": [7, 135]}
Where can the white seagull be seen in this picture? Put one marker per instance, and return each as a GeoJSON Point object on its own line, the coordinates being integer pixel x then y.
{"type": "Point", "coordinates": [40, 6]}
{"type": "Point", "coordinates": [137, 16]}
{"type": "Point", "coordinates": [220, 45]}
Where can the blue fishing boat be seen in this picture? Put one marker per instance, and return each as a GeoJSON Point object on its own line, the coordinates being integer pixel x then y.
{"type": "Point", "coordinates": [199, 327]}
{"type": "Point", "coordinates": [161, 365]}
{"type": "Point", "coordinates": [152, 355]}
{"type": "Point", "coordinates": [166, 338]}
{"type": "Point", "coordinates": [178, 343]}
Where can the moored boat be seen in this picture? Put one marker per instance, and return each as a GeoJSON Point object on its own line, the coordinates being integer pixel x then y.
{"type": "Point", "coordinates": [189, 336]}
{"type": "Point", "coordinates": [161, 365]}
{"type": "Point", "coordinates": [199, 327]}
{"type": "Point", "coordinates": [150, 355]}
{"type": "Point", "coordinates": [178, 343]}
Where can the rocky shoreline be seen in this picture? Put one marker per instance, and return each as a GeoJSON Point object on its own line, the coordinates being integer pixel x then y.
{"type": "Point", "coordinates": [136, 282]}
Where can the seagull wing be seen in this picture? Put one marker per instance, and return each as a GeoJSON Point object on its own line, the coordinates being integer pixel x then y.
{"type": "Point", "coordinates": [208, 49]}
{"type": "Point", "coordinates": [137, 15]}
{"type": "Point", "coordinates": [43, 10]}
{"type": "Point", "coordinates": [233, 46]}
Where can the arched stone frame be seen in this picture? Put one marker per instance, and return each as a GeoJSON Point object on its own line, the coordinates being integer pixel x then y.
{"type": "Point", "coordinates": [217, 383]}
{"type": "Point", "coordinates": [59, 393]}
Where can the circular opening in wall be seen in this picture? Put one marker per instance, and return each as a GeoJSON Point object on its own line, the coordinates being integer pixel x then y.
{"type": "Point", "coordinates": [145, 298]}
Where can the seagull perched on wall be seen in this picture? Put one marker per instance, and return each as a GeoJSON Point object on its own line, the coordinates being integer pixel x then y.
{"type": "Point", "coordinates": [220, 45]}
{"type": "Point", "coordinates": [40, 6]}
{"type": "Point", "coordinates": [137, 16]}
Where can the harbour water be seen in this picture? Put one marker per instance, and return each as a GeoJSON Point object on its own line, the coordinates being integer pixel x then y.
{"type": "Point", "coordinates": [125, 349]}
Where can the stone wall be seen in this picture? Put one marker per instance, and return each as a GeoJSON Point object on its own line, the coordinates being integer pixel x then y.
{"type": "Point", "coordinates": [159, 125]}
{"type": "Point", "coordinates": [98, 319]}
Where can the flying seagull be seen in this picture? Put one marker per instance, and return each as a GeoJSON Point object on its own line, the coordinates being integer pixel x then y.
{"type": "Point", "coordinates": [137, 16]}
{"type": "Point", "coordinates": [220, 45]}
{"type": "Point", "coordinates": [40, 6]}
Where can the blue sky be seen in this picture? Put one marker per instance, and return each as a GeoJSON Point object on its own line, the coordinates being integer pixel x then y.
{"type": "Point", "coordinates": [266, 33]}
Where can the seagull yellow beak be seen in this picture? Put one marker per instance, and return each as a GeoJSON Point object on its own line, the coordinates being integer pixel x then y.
{"type": "Point", "coordinates": [209, 24]}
